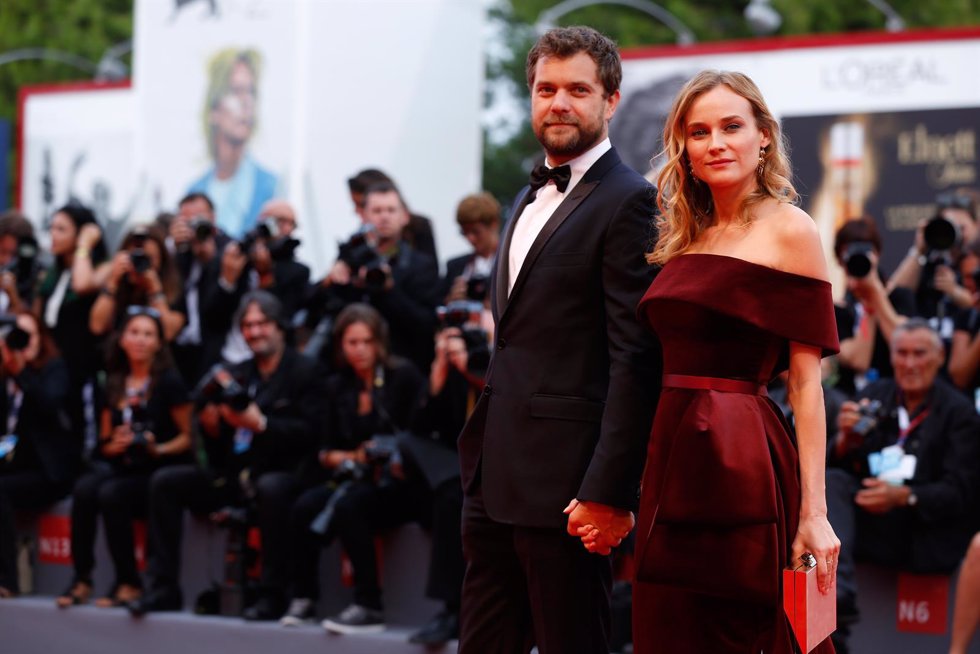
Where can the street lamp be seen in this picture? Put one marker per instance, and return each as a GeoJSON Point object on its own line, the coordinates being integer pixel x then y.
{"type": "Point", "coordinates": [548, 17]}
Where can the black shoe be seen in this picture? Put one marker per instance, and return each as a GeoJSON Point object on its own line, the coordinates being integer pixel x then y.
{"type": "Point", "coordinates": [165, 598]}
{"type": "Point", "coordinates": [355, 619]}
{"type": "Point", "coordinates": [266, 608]}
{"type": "Point", "coordinates": [301, 611]}
{"type": "Point", "coordinates": [439, 630]}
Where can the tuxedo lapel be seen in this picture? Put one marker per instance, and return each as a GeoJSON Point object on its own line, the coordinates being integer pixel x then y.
{"type": "Point", "coordinates": [501, 273]}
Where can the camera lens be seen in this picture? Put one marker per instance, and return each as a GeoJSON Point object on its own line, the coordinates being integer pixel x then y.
{"type": "Point", "coordinates": [941, 234]}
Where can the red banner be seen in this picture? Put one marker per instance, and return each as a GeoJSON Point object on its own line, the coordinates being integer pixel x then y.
{"type": "Point", "coordinates": [923, 603]}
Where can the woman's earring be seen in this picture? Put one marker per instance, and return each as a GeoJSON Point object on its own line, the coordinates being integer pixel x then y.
{"type": "Point", "coordinates": [690, 169]}
{"type": "Point", "coordinates": [762, 161]}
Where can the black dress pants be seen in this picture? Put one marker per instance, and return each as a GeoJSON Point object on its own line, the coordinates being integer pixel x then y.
{"type": "Point", "coordinates": [446, 564]}
{"type": "Point", "coordinates": [527, 586]}
{"type": "Point", "coordinates": [25, 490]}
{"type": "Point", "coordinates": [119, 497]}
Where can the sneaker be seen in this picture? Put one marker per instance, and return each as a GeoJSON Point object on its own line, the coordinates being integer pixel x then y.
{"type": "Point", "coordinates": [301, 611]}
{"type": "Point", "coordinates": [438, 631]}
{"type": "Point", "coordinates": [355, 619]}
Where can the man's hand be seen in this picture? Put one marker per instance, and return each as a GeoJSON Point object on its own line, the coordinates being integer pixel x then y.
{"type": "Point", "coordinates": [879, 496]}
{"type": "Point", "coordinates": [600, 527]}
{"type": "Point", "coordinates": [251, 418]}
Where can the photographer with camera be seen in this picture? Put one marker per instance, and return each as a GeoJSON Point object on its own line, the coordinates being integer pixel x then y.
{"type": "Point", "coordinates": [370, 398]}
{"type": "Point", "coordinates": [145, 425]}
{"type": "Point", "coordinates": [142, 274]}
{"type": "Point", "coordinates": [869, 314]}
{"type": "Point", "coordinates": [259, 421]}
{"type": "Point", "coordinates": [903, 470]}
{"type": "Point", "coordinates": [964, 355]}
{"type": "Point", "coordinates": [417, 231]}
{"type": "Point", "coordinates": [196, 242]}
{"type": "Point", "coordinates": [929, 269]}
{"type": "Point", "coordinates": [39, 454]}
{"type": "Point", "coordinates": [378, 268]}
{"type": "Point", "coordinates": [19, 265]}
{"type": "Point", "coordinates": [468, 276]}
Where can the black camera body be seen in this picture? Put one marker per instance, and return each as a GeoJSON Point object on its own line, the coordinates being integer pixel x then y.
{"type": "Point", "coordinates": [477, 288]}
{"type": "Point", "coordinates": [24, 263]}
{"type": "Point", "coordinates": [138, 418]}
{"type": "Point", "coordinates": [218, 386]}
{"type": "Point", "coordinates": [857, 259]}
{"type": "Point", "coordinates": [462, 314]}
{"type": "Point", "coordinates": [203, 228]}
{"type": "Point", "coordinates": [13, 336]}
{"type": "Point", "coordinates": [140, 260]}
{"type": "Point", "coordinates": [871, 415]}
{"type": "Point", "coordinates": [358, 253]}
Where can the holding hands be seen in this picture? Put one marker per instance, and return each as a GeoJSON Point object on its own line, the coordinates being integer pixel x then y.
{"type": "Point", "coordinates": [600, 527]}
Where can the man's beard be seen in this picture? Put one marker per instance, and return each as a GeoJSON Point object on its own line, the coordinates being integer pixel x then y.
{"type": "Point", "coordinates": [570, 146]}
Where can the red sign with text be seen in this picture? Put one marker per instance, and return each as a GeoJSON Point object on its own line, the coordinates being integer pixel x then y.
{"type": "Point", "coordinates": [54, 541]}
{"type": "Point", "coordinates": [923, 603]}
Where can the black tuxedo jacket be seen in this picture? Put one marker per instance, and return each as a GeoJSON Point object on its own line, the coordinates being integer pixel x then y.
{"type": "Point", "coordinates": [574, 378]}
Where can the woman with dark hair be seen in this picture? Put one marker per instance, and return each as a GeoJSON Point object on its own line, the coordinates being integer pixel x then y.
{"type": "Point", "coordinates": [64, 300]}
{"type": "Point", "coordinates": [39, 455]}
{"type": "Point", "coordinates": [142, 274]}
{"type": "Point", "coordinates": [370, 394]}
{"type": "Point", "coordinates": [144, 425]}
{"type": "Point", "coordinates": [869, 313]}
{"type": "Point", "coordinates": [729, 499]}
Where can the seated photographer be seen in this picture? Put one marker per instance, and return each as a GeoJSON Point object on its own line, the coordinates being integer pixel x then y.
{"type": "Point", "coordinates": [964, 356]}
{"type": "Point", "coordinates": [145, 425]}
{"type": "Point", "coordinates": [870, 313]}
{"type": "Point", "coordinates": [39, 454]}
{"type": "Point", "coordinates": [64, 300]}
{"type": "Point", "coordinates": [377, 267]}
{"type": "Point", "coordinates": [369, 395]}
{"type": "Point", "coordinates": [259, 421]}
{"type": "Point", "coordinates": [929, 269]}
{"type": "Point", "coordinates": [142, 274]}
{"type": "Point", "coordinates": [19, 265]}
{"type": "Point", "coordinates": [903, 470]}
{"type": "Point", "coordinates": [468, 276]}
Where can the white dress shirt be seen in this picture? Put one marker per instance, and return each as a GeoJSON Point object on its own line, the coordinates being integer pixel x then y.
{"type": "Point", "coordinates": [537, 213]}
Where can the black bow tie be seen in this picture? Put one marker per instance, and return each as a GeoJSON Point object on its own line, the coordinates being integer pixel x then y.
{"type": "Point", "coordinates": [541, 174]}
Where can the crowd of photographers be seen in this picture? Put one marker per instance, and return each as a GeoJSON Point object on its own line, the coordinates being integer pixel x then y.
{"type": "Point", "coordinates": [192, 370]}
{"type": "Point", "coordinates": [196, 371]}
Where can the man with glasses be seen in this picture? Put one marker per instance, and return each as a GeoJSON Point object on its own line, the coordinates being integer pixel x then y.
{"type": "Point", "coordinates": [256, 440]}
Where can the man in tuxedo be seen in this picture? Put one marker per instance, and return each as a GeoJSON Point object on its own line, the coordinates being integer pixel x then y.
{"type": "Point", "coordinates": [555, 445]}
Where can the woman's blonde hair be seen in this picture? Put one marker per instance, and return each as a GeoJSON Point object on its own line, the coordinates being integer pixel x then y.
{"type": "Point", "coordinates": [685, 202]}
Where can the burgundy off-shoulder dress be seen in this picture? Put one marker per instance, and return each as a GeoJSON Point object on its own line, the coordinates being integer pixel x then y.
{"type": "Point", "coordinates": [720, 501]}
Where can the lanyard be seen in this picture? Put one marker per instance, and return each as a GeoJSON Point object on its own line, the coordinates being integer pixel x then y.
{"type": "Point", "coordinates": [13, 411]}
{"type": "Point", "coordinates": [905, 426]}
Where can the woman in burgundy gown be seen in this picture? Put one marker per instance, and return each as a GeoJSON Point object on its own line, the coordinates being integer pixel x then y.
{"type": "Point", "coordinates": [729, 496]}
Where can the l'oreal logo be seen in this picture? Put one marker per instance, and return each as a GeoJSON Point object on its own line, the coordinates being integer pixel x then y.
{"type": "Point", "coordinates": [881, 75]}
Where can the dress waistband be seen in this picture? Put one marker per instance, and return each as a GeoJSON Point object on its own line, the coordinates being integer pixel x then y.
{"type": "Point", "coordinates": [715, 384]}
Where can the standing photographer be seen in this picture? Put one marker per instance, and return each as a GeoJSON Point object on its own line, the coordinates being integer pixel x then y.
{"type": "Point", "coordinates": [964, 356]}
{"type": "Point", "coordinates": [39, 455]}
{"type": "Point", "coordinates": [379, 268]}
{"type": "Point", "coordinates": [19, 265]}
{"type": "Point", "coordinates": [468, 276]}
{"type": "Point", "coordinates": [902, 475]}
{"type": "Point", "coordinates": [145, 425]}
{"type": "Point", "coordinates": [870, 313]}
{"type": "Point", "coordinates": [371, 394]}
{"type": "Point", "coordinates": [142, 274]}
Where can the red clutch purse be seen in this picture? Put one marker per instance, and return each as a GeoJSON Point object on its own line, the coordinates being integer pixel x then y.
{"type": "Point", "coordinates": [812, 614]}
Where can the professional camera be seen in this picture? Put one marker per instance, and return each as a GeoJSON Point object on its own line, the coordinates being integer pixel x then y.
{"type": "Point", "coordinates": [871, 414]}
{"type": "Point", "coordinates": [941, 234]}
{"type": "Point", "coordinates": [220, 387]}
{"type": "Point", "coordinates": [464, 314]}
{"type": "Point", "coordinates": [136, 415]}
{"type": "Point", "coordinates": [358, 252]}
{"type": "Point", "coordinates": [15, 338]}
{"type": "Point", "coordinates": [203, 228]}
{"type": "Point", "coordinates": [477, 287]}
{"type": "Point", "coordinates": [140, 260]}
{"type": "Point", "coordinates": [857, 261]}
{"type": "Point", "coordinates": [24, 260]}
{"type": "Point", "coordinates": [280, 247]}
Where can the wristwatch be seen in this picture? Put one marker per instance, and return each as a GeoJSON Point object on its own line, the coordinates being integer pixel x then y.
{"type": "Point", "coordinates": [912, 500]}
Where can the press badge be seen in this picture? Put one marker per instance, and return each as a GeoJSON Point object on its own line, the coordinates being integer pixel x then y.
{"type": "Point", "coordinates": [8, 444]}
{"type": "Point", "coordinates": [892, 464]}
{"type": "Point", "coordinates": [243, 440]}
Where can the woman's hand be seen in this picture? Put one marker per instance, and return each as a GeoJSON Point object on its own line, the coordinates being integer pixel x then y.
{"type": "Point", "coordinates": [121, 265]}
{"type": "Point", "coordinates": [89, 236]}
{"type": "Point", "coordinates": [816, 536]}
{"type": "Point", "coordinates": [119, 441]}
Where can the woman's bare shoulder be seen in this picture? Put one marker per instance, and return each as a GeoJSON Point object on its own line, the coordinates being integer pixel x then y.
{"type": "Point", "coordinates": [796, 240]}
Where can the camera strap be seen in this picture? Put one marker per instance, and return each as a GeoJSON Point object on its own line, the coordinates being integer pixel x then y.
{"type": "Point", "coordinates": [16, 398]}
{"type": "Point", "coordinates": [906, 425]}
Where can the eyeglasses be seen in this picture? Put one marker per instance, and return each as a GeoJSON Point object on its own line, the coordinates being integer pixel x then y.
{"type": "Point", "coordinates": [141, 310]}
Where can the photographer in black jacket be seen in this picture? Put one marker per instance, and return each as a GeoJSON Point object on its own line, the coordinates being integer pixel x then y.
{"type": "Point", "coordinates": [39, 454]}
{"type": "Point", "coordinates": [371, 395]}
{"type": "Point", "coordinates": [379, 268]}
{"type": "Point", "coordinates": [260, 421]}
